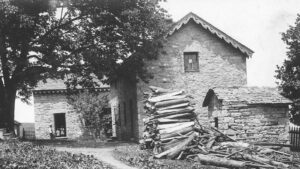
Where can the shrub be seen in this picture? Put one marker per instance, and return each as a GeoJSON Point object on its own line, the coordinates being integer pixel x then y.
{"type": "Point", "coordinates": [24, 155]}
{"type": "Point", "coordinates": [92, 109]}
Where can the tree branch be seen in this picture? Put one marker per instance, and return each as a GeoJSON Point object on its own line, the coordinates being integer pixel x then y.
{"type": "Point", "coordinates": [55, 28]}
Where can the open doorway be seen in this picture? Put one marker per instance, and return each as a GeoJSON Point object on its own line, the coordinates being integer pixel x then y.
{"type": "Point", "coordinates": [60, 124]}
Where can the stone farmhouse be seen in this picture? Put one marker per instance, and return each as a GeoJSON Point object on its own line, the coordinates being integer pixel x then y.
{"type": "Point", "coordinates": [196, 57]}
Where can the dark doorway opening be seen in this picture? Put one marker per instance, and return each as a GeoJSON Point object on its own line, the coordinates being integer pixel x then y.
{"type": "Point", "coordinates": [107, 119]}
{"type": "Point", "coordinates": [131, 118]}
{"type": "Point", "coordinates": [60, 125]}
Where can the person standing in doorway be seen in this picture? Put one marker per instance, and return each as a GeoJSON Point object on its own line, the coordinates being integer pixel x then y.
{"type": "Point", "coordinates": [51, 132]}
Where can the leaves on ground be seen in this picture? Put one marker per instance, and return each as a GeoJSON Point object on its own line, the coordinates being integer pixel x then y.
{"type": "Point", "coordinates": [24, 155]}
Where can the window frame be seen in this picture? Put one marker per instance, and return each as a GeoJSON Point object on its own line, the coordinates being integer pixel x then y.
{"type": "Point", "coordinates": [197, 69]}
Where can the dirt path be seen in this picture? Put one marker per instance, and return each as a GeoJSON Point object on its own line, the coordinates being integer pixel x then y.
{"type": "Point", "coordinates": [103, 154]}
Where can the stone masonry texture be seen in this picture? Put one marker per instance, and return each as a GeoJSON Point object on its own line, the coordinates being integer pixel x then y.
{"type": "Point", "coordinates": [254, 122]}
{"type": "Point", "coordinates": [45, 106]}
{"type": "Point", "coordinates": [220, 64]}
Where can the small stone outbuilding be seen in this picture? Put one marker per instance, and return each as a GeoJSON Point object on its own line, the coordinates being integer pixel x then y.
{"type": "Point", "coordinates": [51, 107]}
{"type": "Point", "coordinates": [252, 113]}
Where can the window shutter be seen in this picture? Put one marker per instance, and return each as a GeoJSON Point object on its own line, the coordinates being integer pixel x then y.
{"type": "Point", "coordinates": [186, 62]}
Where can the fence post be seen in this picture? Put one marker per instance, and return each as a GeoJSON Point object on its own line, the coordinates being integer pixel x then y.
{"type": "Point", "coordinates": [294, 132]}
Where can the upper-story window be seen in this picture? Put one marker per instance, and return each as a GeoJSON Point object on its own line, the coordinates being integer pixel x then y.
{"type": "Point", "coordinates": [191, 62]}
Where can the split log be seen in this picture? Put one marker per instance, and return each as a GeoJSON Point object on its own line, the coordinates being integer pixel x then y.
{"type": "Point", "coordinates": [165, 120]}
{"type": "Point", "coordinates": [222, 134]}
{"type": "Point", "coordinates": [268, 150]}
{"type": "Point", "coordinates": [177, 149]}
{"type": "Point", "coordinates": [177, 132]}
{"type": "Point", "coordinates": [166, 115]}
{"type": "Point", "coordinates": [158, 90]}
{"type": "Point", "coordinates": [264, 160]}
{"type": "Point", "coordinates": [175, 111]}
{"type": "Point", "coordinates": [180, 155]}
{"type": "Point", "coordinates": [166, 126]}
{"type": "Point", "coordinates": [175, 116]}
{"type": "Point", "coordinates": [177, 137]}
{"type": "Point", "coordinates": [170, 103]}
{"type": "Point", "coordinates": [219, 161]}
{"type": "Point", "coordinates": [172, 138]}
{"type": "Point", "coordinates": [235, 144]}
{"type": "Point", "coordinates": [272, 144]}
{"type": "Point", "coordinates": [181, 146]}
{"type": "Point", "coordinates": [210, 143]}
{"type": "Point", "coordinates": [168, 96]}
{"type": "Point", "coordinates": [182, 105]}
{"type": "Point", "coordinates": [171, 130]}
{"type": "Point", "coordinates": [171, 144]}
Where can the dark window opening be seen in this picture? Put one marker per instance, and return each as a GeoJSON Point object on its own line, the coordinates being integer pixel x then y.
{"type": "Point", "coordinates": [216, 122]}
{"type": "Point", "coordinates": [60, 125]}
{"type": "Point", "coordinates": [191, 62]}
{"type": "Point", "coordinates": [87, 123]}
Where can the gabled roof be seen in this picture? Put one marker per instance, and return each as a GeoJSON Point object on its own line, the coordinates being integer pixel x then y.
{"type": "Point", "coordinates": [247, 95]}
{"type": "Point", "coordinates": [191, 16]}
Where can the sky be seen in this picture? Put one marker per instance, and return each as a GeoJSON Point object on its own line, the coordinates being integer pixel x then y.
{"type": "Point", "coordinates": [258, 24]}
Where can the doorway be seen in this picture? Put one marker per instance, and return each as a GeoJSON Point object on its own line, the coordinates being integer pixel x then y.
{"type": "Point", "coordinates": [60, 124]}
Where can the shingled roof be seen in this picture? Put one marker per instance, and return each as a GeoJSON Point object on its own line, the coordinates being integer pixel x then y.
{"type": "Point", "coordinates": [58, 86]}
{"type": "Point", "coordinates": [247, 95]}
{"type": "Point", "coordinates": [212, 29]}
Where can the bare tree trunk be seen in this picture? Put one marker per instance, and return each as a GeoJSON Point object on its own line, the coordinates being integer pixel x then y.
{"type": "Point", "coordinates": [7, 109]}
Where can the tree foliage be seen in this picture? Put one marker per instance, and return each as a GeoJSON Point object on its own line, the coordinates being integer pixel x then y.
{"type": "Point", "coordinates": [289, 72]}
{"type": "Point", "coordinates": [85, 40]}
{"type": "Point", "coordinates": [90, 108]}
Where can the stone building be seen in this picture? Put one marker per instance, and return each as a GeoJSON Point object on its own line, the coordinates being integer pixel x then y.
{"type": "Point", "coordinates": [252, 113]}
{"type": "Point", "coordinates": [197, 56]}
{"type": "Point", "coordinates": [51, 108]}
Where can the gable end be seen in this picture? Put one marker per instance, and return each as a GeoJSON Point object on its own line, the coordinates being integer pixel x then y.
{"type": "Point", "coordinates": [213, 30]}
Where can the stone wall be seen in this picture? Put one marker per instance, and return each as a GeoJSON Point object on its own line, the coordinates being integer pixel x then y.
{"type": "Point", "coordinates": [253, 122]}
{"type": "Point", "coordinates": [220, 65]}
{"type": "Point", "coordinates": [45, 106]}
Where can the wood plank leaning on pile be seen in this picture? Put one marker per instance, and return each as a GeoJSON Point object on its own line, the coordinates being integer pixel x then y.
{"type": "Point", "coordinates": [173, 131]}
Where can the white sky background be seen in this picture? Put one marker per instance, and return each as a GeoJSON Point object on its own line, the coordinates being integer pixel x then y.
{"type": "Point", "coordinates": [255, 23]}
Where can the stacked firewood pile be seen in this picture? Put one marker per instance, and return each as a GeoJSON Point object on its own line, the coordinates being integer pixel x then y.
{"type": "Point", "coordinates": [173, 131]}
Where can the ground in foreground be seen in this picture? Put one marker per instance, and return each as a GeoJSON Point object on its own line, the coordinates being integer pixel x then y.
{"type": "Point", "coordinates": [25, 155]}
{"type": "Point", "coordinates": [133, 156]}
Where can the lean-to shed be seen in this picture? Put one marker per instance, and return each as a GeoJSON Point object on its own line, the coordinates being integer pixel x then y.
{"type": "Point", "coordinates": [252, 113]}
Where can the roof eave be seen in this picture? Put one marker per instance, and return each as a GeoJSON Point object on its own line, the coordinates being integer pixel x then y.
{"type": "Point", "coordinates": [212, 29]}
